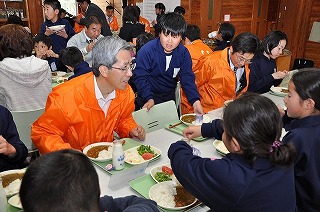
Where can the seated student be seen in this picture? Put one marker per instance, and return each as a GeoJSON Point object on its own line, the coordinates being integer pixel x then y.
{"type": "Point", "coordinates": [13, 152]}
{"type": "Point", "coordinates": [302, 121]}
{"type": "Point", "coordinates": [196, 49]}
{"type": "Point", "coordinates": [225, 74]}
{"type": "Point", "coordinates": [161, 62]}
{"type": "Point", "coordinates": [72, 58]}
{"type": "Point", "coordinates": [131, 27]}
{"type": "Point", "coordinates": [225, 34]}
{"type": "Point", "coordinates": [66, 180]}
{"type": "Point", "coordinates": [263, 69]}
{"type": "Point", "coordinates": [142, 20]}
{"type": "Point", "coordinates": [257, 174]}
{"type": "Point", "coordinates": [42, 45]}
{"type": "Point", "coordinates": [111, 18]}
{"type": "Point", "coordinates": [91, 107]}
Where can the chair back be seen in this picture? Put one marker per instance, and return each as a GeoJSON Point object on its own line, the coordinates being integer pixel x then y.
{"type": "Point", "coordinates": [23, 121]}
{"type": "Point", "coordinates": [302, 63]}
{"type": "Point", "coordinates": [157, 117]}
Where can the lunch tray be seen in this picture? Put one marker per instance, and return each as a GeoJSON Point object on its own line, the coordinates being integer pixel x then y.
{"type": "Point", "coordinates": [128, 144]}
{"type": "Point", "coordinates": [142, 186]}
{"type": "Point", "coordinates": [179, 128]}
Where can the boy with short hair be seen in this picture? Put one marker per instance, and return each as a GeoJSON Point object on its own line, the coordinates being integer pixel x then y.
{"type": "Point", "coordinates": [61, 37]}
{"type": "Point", "coordinates": [72, 58]}
{"type": "Point", "coordinates": [42, 45]}
{"type": "Point", "coordinates": [162, 62]}
{"type": "Point", "coordinates": [111, 18]}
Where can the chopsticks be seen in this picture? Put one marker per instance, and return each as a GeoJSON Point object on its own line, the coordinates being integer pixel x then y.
{"type": "Point", "coordinates": [174, 125]}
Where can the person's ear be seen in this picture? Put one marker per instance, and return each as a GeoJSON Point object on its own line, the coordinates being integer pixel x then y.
{"type": "Point", "coordinates": [309, 104]}
{"type": "Point", "coordinates": [56, 11]}
{"type": "Point", "coordinates": [231, 49]}
{"type": "Point", "coordinates": [235, 145]}
{"type": "Point", "coordinates": [103, 71]}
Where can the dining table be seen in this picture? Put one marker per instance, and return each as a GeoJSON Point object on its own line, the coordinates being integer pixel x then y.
{"type": "Point", "coordinates": [162, 139]}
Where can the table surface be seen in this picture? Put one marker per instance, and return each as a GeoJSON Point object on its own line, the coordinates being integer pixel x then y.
{"type": "Point", "coordinates": [162, 139]}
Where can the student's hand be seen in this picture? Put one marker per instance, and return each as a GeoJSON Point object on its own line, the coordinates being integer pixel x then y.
{"type": "Point", "coordinates": [154, 22]}
{"type": "Point", "coordinates": [282, 111]}
{"type": "Point", "coordinates": [48, 31]}
{"type": "Point", "coordinates": [280, 74]}
{"type": "Point", "coordinates": [41, 54]}
{"type": "Point", "coordinates": [149, 104]}
{"type": "Point", "coordinates": [51, 53]}
{"type": "Point", "coordinates": [138, 132]}
{"type": "Point", "coordinates": [90, 47]}
{"type": "Point", "coordinates": [197, 108]}
{"type": "Point", "coordinates": [192, 132]}
{"type": "Point", "coordinates": [62, 33]}
{"type": "Point", "coordinates": [6, 148]}
{"type": "Point", "coordinates": [77, 19]}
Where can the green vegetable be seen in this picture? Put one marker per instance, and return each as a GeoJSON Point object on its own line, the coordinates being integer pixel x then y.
{"type": "Point", "coordinates": [144, 149]}
{"type": "Point", "coordinates": [161, 177]}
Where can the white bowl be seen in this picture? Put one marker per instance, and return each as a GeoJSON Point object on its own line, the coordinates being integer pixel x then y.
{"type": "Point", "coordinates": [57, 28]}
{"type": "Point", "coordinates": [15, 189]}
{"type": "Point", "coordinates": [206, 119]}
{"type": "Point", "coordinates": [15, 201]}
{"type": "Point", "coordinates": [156, 169]}
{"type": "Point", "coordinates": [220, 147]}
{"type": "Point", "coordinates": [104, 159]}
{"type": "Point", "coordinates": [171, 190]}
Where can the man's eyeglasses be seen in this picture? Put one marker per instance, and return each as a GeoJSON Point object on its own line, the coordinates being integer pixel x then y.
{"type": "Point", "coordinates": [131, 66]}
{"type": "Point", "coordinates": [241, 59]}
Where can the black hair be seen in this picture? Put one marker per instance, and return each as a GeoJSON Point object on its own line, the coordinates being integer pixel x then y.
{"type": "Point", "coordinates": [258, 125]}
{"type": "Point", "coordinates": [307, 84]}
{"type": "Point", "coordinates": [60, 181]}
{"type": "Point", "coordinates": [246, 42]}
{"type": "Point", "coordinates": [130, 14]}
{"type": "Point", "coordinates": [180, 10]}
{"type": "Point", "coordinates": [143, 39]}
{"type": "Point", "coordinates": [42, 38]}
{"type": "Point", "coordinates": [227, 31]}
{"type": "Point", "coordinates": [81, 1]}
{"type": "Point", "coordinates": [137, 9]}
{"type": "Point", "coordinates": [109, 7]}
{"type": "Point", "coordinates": [55, 4]}
{"type": "Point", "coordinates": [193, 32]}
{"type": "Point", "coordinates": [14, 19]}
{"type": "Point", "coordinates": [91, 20]}
{"type": "Point", "coordinates": [271, 40]}
{"type": "Point", "coordinates": [160, 6]}
{"type": "Point", "coordinates": [71, 56]}
{"type": "Point", "coordinates": [174, 24]}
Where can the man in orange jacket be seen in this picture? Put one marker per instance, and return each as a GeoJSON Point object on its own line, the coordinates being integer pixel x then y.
{"type": "Point", "coordinates": [111, 18]}
{"type": "Point", "coordinates": [91, 107]}
{"type": "Point", "coordinates": [223, 75]}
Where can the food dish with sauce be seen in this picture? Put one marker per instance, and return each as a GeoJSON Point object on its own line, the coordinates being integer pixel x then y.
{"type": "Point", "coordinates": [100, 152]}
{"type": "Point", "coordinates": [189, 119]}
{"type": "Point", "coordinates": [11, 181]}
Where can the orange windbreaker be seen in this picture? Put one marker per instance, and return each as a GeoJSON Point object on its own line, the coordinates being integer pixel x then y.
{"type": "Point", "coordinates": [74, 119]}
{"type": "Point", "coordinates": [114, 23]}
{"type": "Point", "coordinates": [77, 27]}
{"type": "Point", "coordinates": [145, 22]}
{"type": "Point", "coordinates": [215, 80]}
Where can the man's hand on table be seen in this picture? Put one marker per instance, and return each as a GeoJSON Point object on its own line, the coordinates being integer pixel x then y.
{"type": "Point", "coordinates": [192, 132]}
{"type": "Point", "coordinates": [138, 132]}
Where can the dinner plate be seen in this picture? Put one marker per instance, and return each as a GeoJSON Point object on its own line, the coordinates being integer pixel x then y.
{"type": "Point", "coordinates": [57, 28]}
{"type": "Point", "coordinates": [280, 91]}
{"type": "Point", "coordinates": [156, 169]}
{"type": "Point", "coordinates": [15, 201]}
{"type": "Point", "coordinates": [206, 119]}
{"type": "Point", "coordinates": [220, 147]}
{"type": "Point", "coordinates": [12, 189]}
{"type": "Point", "coordinates": [160, 191]}
{"type": "Point", "coordinates": [106, 157]}
{"type": "Point", "coordinates": [131, 156]}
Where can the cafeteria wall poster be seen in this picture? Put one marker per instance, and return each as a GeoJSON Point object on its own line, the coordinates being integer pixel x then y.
{"type": "Point", "coordinates": [315, 32]}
